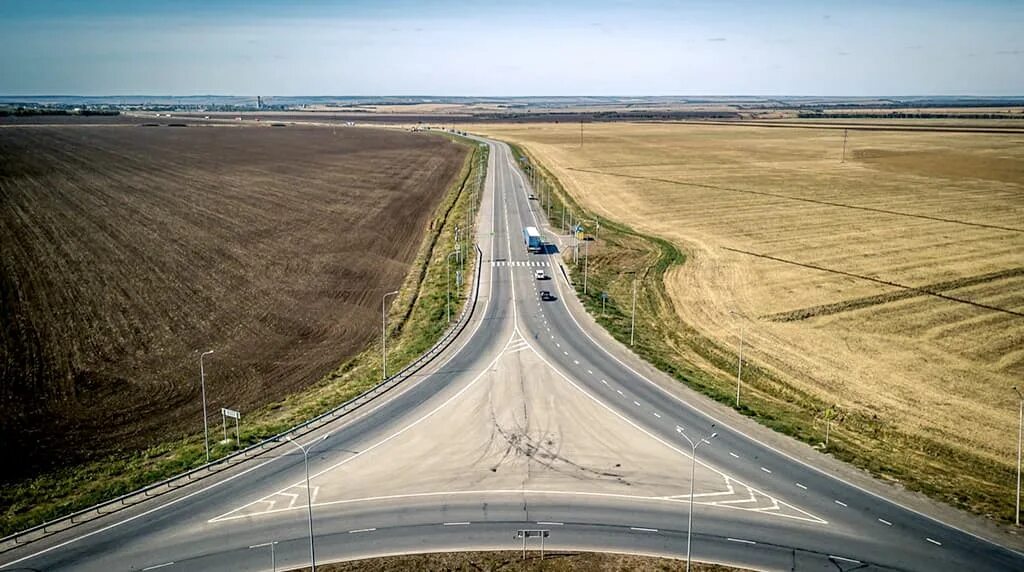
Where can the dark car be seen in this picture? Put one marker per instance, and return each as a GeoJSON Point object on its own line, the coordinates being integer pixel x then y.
{"type": "Point", "coordinates": [546, 295]}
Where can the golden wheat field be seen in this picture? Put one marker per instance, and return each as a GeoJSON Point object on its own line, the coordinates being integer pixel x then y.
{"type": "Point", "coordinates": [891, 282]}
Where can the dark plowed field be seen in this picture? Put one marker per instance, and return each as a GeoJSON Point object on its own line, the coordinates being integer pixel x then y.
{"type": "Point", "coordinates": [124, 249]}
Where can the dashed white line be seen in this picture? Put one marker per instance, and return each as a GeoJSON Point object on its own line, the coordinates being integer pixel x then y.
{"type": "Point", "coordinates": [766, 470]}
{"type": "Point", "coordinates": [933, 541]}
{"type": "Point", "coordinates": [885, 522]}
{"type": "Point", "coordinates": [576, 361]}
{"type": "Point", "coordinates": [641, 529]}
{"type": "Point", "coordinates": [591, 372]}
{"type": "Point", "coordinates": [566, 353]}
{"type": "Point", "coordinates": [604, 382]}
{"type": "Point", "coordinates": [850, 560]}
{"type": "Point", "coordinates": [558, 345]}
{"type": "Point", "coordinates": [658, 415]}
{"type": "Point", "coordinates": [456, 524]}
{"type": "Point", "coordinates": [840, 503]}
{"type": "Point", "coordinates": [549, 523]}
{"type": "Point", "coordinates": [801, 486]}
{"type": "Point", "coordinates": [358, 530]}
{"type": "Point", "coordinates": [159, 566]}
{"type": "Point", "coordinates": [741, 541]}
{"type": "Point", "coordinates": [637, 403]}
{"type": "Point", "coordinates": [619, 390]}
{"type": "Point", "coordinates": [734, 455]}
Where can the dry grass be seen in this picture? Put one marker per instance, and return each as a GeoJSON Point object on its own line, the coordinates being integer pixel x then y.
{"type": "Point", "coordinates": [890, 284]}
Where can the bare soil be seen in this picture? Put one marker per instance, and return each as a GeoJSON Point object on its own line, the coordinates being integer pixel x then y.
{"type": "Point", "coordinates": [125, 249]}
{"type": "Point", "coordinates": [513, 562]}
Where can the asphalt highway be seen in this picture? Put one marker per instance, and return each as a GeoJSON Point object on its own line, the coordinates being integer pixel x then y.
{"type": "Point", "coordinates": [525, 422]}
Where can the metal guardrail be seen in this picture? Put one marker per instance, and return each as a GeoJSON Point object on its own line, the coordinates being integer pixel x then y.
{"type": "Point", "coordinates": [174, 483]}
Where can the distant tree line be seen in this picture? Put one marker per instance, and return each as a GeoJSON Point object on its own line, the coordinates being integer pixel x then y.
{"type": "Point", "coordinates": [37, 111]}
{"type": "Point", "coordinates": [905, 115]}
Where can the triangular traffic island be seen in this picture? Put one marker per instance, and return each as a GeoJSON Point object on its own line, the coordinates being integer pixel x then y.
{"type": "Point", "coordinates": [519, 426]}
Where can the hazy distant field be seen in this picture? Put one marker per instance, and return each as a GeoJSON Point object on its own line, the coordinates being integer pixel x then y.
{"type": "Point", "coordinates": [125, 249]}
{"type": "Point", "coordinates": [892, 283]}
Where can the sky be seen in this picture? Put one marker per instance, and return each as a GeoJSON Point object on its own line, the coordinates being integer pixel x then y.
{"type": "Point", "coordinates": [519, 48]}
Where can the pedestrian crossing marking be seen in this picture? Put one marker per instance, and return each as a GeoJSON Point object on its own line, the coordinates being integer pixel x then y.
{"type": "Point", "coordinates": [520, 263]}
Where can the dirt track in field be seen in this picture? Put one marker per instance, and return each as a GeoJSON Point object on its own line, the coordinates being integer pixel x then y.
{"type": "Point", "coordinates": [123, 249]}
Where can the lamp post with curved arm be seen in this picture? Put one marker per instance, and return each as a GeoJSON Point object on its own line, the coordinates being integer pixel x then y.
{"type": "Point", "coordinates": [384, 332]}
{"type": "Point", "coordinates": [309, 496]}
{"type": "Point", "coordinates": [448, 307]}
{"type": "Point", "coordinates": [202, 384]}
{"type": "Point", "coordinates": [693, 465]}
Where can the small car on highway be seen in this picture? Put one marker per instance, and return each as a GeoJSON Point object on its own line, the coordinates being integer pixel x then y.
{"type": "Point", "coordinates": [547, 296]}
{"type": "Point", "coordinates": [540, 275]}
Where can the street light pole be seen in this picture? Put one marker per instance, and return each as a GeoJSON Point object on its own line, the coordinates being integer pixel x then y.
{"type": "Point", "coordinates": [273, 557]}
{"type": "Point", "coordinates": [202, 384]}
{"type": "Point", "coordinates": [448, 307]}
{"type": "Point", "coordinates": [384, 333]}
{"type": "Point", "coordinates": [739, 365]}
{"type": "Point", "coordinates": [309, 496]}
{"type": "Point", "coordinates": [632, 317]}
{"type": "Point", "coordinates": [693, 466]}
{"type": "Point", "coordinates": [1020, 433]}
{"type": "Point", "coordinates": [586, 262]}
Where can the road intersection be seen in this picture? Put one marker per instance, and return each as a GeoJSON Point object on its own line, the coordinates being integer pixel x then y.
{"type": "Point", "coordinates": [527, 421]}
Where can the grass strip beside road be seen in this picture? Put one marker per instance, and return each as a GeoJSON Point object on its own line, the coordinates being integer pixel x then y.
{"type": "Point", "coordinates": [416, 320]}
{"type": "Point", "coordinates": [512, 561]}
{"type": "Point", "coordinates": [620, 254]}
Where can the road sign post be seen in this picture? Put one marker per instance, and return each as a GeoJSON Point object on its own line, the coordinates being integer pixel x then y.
{"type": "Point", "coordinates": [225, 413]}
{"type": "Point", "coordinates": [525, 534]}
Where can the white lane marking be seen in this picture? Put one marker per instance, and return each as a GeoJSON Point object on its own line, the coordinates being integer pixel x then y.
{"type": "Point", "coordinates": [604, 382]}
{"type": "Point", "coordinates": [159, 566]}
{"type": "Point", "coordinates": [734, 455]}
{"type": "Point", "coordinates": [885, 522]}
{"type": "Point", "coordinates": [590, 371]}
{"type": "Point", "coordinates": [801, 486]}
{"type": "Point", "coordinates": [935, 542]}
{"type": "Point", "coordinates": [620, 391]}
{"type": "Point", "coordinates": [658, 415]}
{"type": "Point", "coordinates": [465, 523]}
{"type": "Point", "coordinates": [764, 445]}
{"type": "Point", "coordinates": [565, 352]}
{"type": "Point", "coordinates": [576, 361]}
{"type": "Point", "coordinates": [642, 529]}
{"type": "Point", "coordinates": [840, 503]}
{"type": "Point", "coordinates": [637, 403]}
{"type": "Point", "coordinates": [558, 345]}
{"type": "Point", "coordinates": [766, 470]}
{"type": "Point", "coordinates": [549, 523]}
{"type": "Point", "coordinates": [850, 560]}
{"type": "Point", "coordinates": [741, 541]}
{"type": "Point", "coordinates": [358, 530]}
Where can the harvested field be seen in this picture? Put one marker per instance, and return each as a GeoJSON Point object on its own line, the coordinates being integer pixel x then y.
{"type": "Point", "coordinates": [125, 249]}
{"type": "Point", "coordinates": [891, 284]}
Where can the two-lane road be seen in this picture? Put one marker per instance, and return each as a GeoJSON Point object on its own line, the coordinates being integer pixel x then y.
{"type": "Point", "coordinates": [525, 422]}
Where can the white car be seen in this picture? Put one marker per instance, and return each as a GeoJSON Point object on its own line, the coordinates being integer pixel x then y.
{"type": "Point", "coordinates": [540, 275]}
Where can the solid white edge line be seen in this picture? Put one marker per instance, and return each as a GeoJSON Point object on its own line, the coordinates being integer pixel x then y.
{"type": "Point", "coordinates": [165, 564]}
{"type": "Point", "coordinates": [550, 523]}
{"type": "Point", "coordinates": [456, 524]}
{"type": "Point", "coordinates": [358, 530]}
{"type": "Point", "coordinates": [751, 438]}
{"type": "Point", "coordinates": [642, 529]}
{"type": "Point", "coordinates": [741, 541]}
